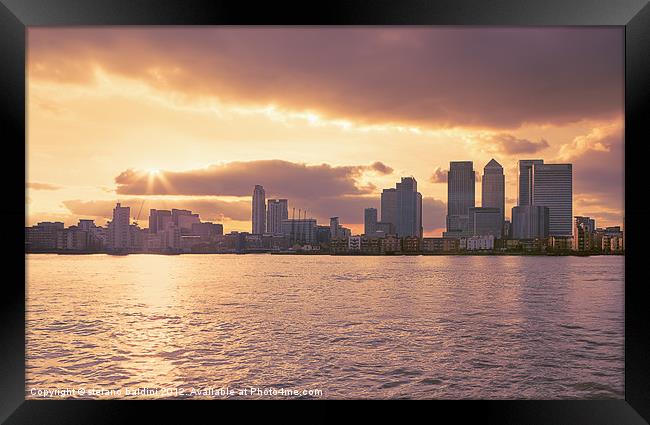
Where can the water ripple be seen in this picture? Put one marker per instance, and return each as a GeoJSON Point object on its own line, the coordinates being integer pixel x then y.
{"type": "Point", "coordinates": [353, 327]}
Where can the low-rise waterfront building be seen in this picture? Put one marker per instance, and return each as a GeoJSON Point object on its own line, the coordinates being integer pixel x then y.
{"type": "Point", "coordinates": [512, 245]}
{"type": "Point", "coordinates": [616, 244]}
{"type": "Point", "coordinates": [411, 244]}
{"type": "Point", "coordinates": [354, 244]}
{"type": "Point", "coordinates": [533, 245]}
{"type": "Point", "coordinates": [370, 245]}
{"type": "Point", "coordinates": [478, 243]}
{"type": "Point", "coordinates": [560, 243]}
{"type": "Point", "coordinates": [189, 242]}
{"type": "Point", "coordinates": [439, 245]}
{"type": "Point", "coordinates": [391, 244]}
{"type": "Point", "coordinates": [338, 245]}
{"type": "Point", "coordinates": [43, 236]}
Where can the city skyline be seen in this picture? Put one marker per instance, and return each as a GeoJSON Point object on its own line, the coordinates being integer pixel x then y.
{"type": "Point", "coordinates": [553, 191]}
{"type": "Point", "coordinates": [544, 208]}
{"type": "Point", "coordinates": [130, 127]}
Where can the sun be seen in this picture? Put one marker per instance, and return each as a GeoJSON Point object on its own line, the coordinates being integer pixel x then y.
{"type": "Point", "coordinates": [153, 171]}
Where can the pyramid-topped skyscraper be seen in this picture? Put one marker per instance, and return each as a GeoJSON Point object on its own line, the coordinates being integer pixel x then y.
{"type": "Point", "coordinates": [493, 187]}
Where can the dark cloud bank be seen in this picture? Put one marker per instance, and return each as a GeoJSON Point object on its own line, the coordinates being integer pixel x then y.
{"type": "Point", "coordinates": [471, 77]}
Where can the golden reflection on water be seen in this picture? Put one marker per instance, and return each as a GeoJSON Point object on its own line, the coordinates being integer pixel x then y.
{"type": "Point", "coordinates": [423, 327]}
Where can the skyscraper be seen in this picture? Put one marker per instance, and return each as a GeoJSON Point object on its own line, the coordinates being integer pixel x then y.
{"type": "Point", "coordinates": [525, 182]}
{"type": "Point", "coordinates": [402, 207]}
{"type": "Point", "coordinates": [389, 206]}
{"type": "Point", "coordinates": [553, 188]}
{"type": "Point", "coordinates": [369, 220]}
{"type": "Point", "coordinates": [493, 188]}
{"type": "Point", "coordinates": [276, 211]}
{"type": "Point", "coordinates": [461, 181]}
{"type": "Point", "coordinates": [259, 210]}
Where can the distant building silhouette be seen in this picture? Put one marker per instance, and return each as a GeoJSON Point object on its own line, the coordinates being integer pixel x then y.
{"type": "Point", "coordinates": [276, 211]}
{"type": "Point", "coordinates": [485, 221]}
{"type": "Point", "coordinates": [369, 220]}
{"type": "Point", "coordinates": [337, 230]}
{"type": "Point", "coordinates": [525, 181]}
{"type": "Point", "coordinates": [158, 219]}
{"type": "Point", "coordinates": [185, 222]}
{"type": "Point", "coordinates": [118, 229]}
{"type": "Point", "coordinates": [389, 206]}
{"type": "Point", "coordinates": [553, 188]}
{"type": "Point", "coordinates": [585, 236]}
{"type": "Point", "coordinates": [461, 181]}
{"type": "Point", "coordinates": [43, 236]}
{"type": "Point", "coordinates": [177, 214]}
{"type": "Point", "coordinates": [300, 230]}
{"type": "Point", "coordinates": [402, 207]}
{"type": "Point", "coordinates": [549, 185]}
{"type": "Point", "coordinates": [493, 192]}
{"type": "Point", "coordinates": [259, 210]}
{"type": "Point", "coordinates": [384, 228]}
{"type": "Point", "coordinates": [207, 231]}
{"type": "Point", "coordinates": [334, 227]}
{"type": "Point", "coordinates": [530, 222]}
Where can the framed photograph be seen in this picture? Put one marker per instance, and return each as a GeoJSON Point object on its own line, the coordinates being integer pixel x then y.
{"type": "Point", "coordinates": [351, 201]}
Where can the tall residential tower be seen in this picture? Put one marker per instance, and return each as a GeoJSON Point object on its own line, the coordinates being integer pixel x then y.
{"type": "Point", "coordinates": [276, 211]}
{"type": "Point", "coordinates": [259, 210]}
{"type": "Point", "coordinates": [118, 228]}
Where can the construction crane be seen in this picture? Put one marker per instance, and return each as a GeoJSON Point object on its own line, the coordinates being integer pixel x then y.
{"type": "Point", "coordinates": [135, 219]}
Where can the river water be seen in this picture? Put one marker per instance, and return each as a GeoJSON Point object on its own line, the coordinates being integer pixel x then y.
{"type": "Point", "coordinates": [273, 326]}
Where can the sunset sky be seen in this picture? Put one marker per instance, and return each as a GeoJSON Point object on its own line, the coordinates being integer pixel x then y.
{"type": "Point", "coordinates": [326, 117]}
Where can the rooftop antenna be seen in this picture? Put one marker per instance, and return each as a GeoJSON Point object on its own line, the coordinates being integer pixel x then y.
{"type": "Point", "coordinates": [293, 224]}
{"type": "Point", "coordinates": [299, 225]}
{"type": "Point", "coordinates": [306, 226]}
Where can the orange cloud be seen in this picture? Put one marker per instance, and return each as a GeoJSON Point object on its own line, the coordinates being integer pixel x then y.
{"type": "Point", "coordinates": [283, 178]}
{"type": "Point", "coordinates": [599, 139]}
{"type": "Point", "coordinates": [508, 144]}
{"type": "Point", "coordinates": [42, 186]}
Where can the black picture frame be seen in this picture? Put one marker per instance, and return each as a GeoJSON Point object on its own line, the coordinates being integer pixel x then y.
{"type": "Point", "coordinates": [634, 15]}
